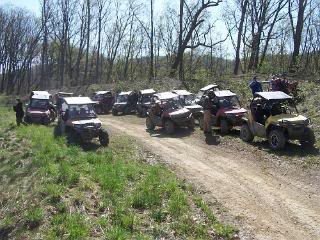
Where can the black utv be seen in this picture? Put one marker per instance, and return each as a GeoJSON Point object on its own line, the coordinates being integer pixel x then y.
{"type": "Point", "coordinates": [144, 101]}
{"type": "Point", "coordinates": [126, 103]}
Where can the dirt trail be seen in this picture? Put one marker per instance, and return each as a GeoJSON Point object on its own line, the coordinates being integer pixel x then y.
{"type": "Point", "coordinates": [270, 204]}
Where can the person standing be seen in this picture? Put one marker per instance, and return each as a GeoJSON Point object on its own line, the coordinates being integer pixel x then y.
{"type": "Point", "coordinates": [255, 85]}
{"type": "Point", "coordinates": [207, 109]}
{"type": "Point", "coordinates": [19, 111]}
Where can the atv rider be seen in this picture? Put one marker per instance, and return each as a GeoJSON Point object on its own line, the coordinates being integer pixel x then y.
{"type": "Point", "coordinates": [156, 110]}
{"type": "Point", "coordinates": [209, 108]}
{"type": "Point", "coordinates": [19, 111]}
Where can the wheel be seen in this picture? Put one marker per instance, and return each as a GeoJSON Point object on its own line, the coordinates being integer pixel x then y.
{"type": "Point", "coordinates": [308, 139]}
{"type": "Point", "coordinates": [114, 112]}
{"type": "Point", "coordinates": [139, 113]}
{"type": "Point", "coordinates": [127, 111]}
{"type": "Point", "coordinates": [224, 126]}
{"type": "Point", "coordinates": [98, 109]}
{"type": "Point", "coordinates": [144, 112]}
{"type": "Point", "coordinates": [149, 124]}
{"type": "Point", "coordinates": [27, 119]}
{"type": "Point", "coordinates": [277, 139]}
{"type": "Point", "coordinates": [45, 120]}
{"type": "Point", "coordinates": [169, 127]}
{"type": "Point", "coordinates": [74, 137]}
{"type": "Point", "coordinates": [201, 122]}
{"type": "Point", "coordinates": [246, 134]}
{"type": "Point", "coordinates": [103, 138]}
{"type": "Point", "coordinates": [191, 124]}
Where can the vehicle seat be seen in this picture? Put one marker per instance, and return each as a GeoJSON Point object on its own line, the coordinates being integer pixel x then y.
{"type": "Point", "coordinates": [259, 114]}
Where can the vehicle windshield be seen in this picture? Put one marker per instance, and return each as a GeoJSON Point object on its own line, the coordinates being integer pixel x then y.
{"type": "Point", "coordinates": [229, 102]}
{"type": "Point", "coordinates": [172, 103]}
{"type": "Point", "coordinates": [200, 94]}
{"type": "Point", "coordinates": [122, 98]}
{"type": "Point", "coordinates": [278, 107]}
{"type": "Point", "coordinates": [146, 98]}
{"type": "Point", "coordinates": [188, 100]}
{"type": "Point", "coordinates": [81, 111]}
{"type": "Point", "coordinates": [39, 103]}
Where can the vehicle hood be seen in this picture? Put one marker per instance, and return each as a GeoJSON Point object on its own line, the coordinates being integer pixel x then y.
{"type": "Point", "coordinates": [120, 104]}
{"type": "Point", "coordinates": [194, 107]}
{"type": "Point", "coordinates": [36, 111]}
{"type": "Point", "coordinates": [291, 118]}
{"type": "Point", "coordinates": [236, 111]}
{"type": "Point", "coordinates": [87, 121]}
{"type": "Point", "coordinates": [183, 112]}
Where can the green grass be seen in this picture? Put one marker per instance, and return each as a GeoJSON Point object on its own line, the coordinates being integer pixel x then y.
{"type": "Point", "coordinates": [60, 191]}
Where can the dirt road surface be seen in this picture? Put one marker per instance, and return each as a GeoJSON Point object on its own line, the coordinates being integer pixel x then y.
{"type": "Point", "coordinates": [268, 202]}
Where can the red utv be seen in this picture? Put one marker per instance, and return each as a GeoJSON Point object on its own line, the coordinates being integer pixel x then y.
{"type": "Point", "coordinates": [104, 101]}
{"type": "Point", "coordinates": [40, 110]}
{"type": "Point", "coordinates": [171, 114]}
{"type": "Point", "coordinates": [227, 112]}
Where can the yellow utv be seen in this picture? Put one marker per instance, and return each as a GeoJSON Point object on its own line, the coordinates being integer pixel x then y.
{"type": "Point", "coordinates": [274, 116]}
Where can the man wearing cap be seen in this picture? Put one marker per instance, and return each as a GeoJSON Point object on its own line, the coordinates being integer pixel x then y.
{"type": "Point", "coordinates": [19, 111]}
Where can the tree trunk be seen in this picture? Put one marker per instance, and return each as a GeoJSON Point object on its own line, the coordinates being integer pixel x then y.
{"type": "Point", "coordinates": [244, 4]}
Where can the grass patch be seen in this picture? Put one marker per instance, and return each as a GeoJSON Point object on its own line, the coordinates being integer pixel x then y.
{"type": "Point", "coordinates": [68, 193]}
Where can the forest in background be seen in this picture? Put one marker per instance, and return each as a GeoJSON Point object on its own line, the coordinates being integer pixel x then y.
{"type": "Point", "coordinates": [74, 43]}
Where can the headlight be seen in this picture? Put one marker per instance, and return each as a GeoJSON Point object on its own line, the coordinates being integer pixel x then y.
{"type": "Point", "coordinates": [77, 125]}
{"type": "Point", "coordinates": [97, 125]}
{"type": "Point", "coordinates": [309, 121]}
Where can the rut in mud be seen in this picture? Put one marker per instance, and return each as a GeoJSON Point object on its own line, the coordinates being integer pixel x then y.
{"type": "Point", "coordinates": [267, 202]}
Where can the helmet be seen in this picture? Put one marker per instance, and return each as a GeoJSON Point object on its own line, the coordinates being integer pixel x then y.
{"type": "Point", "coordinates": [211, 93]}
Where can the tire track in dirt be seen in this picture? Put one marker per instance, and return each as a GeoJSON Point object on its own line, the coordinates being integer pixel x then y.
{"type": "Point", "coordinates": [271, 205]}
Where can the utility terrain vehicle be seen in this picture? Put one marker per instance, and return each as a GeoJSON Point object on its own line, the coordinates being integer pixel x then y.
{"type": "Point", "coordinates": [144, 101]}
{"type": "Point", "coordinates": [126, 103]}
{"type": "Point", "coordinates": [170, 115]}
{"type": "Point", "coordinates": [227, 111]}
{"type": "Point", "coordinates": [79, 120]}
{"type": "Point", "coordinates": [187, 100]}
{"type": "Point", "coordinates": [104, 101]}
{"type": "Point", "coordinates": [204, 91]}
{"type": "Point", "coordinates": [40, 110]}
{"type": "Point", "coordinates": [273, 115]}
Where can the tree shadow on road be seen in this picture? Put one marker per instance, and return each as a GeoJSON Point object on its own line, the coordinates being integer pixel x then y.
{"type": "Point", "coordinates": [292, 149]}
{"type": "Point", "coordinates": [179, 133]}
{"type": "Point", "coordinates": [212, 139]}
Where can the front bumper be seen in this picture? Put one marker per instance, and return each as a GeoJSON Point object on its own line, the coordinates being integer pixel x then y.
{"type": "Point", "coordinates": [88, 133]}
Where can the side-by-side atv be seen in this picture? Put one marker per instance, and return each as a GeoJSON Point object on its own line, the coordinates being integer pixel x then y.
{"type": "Point", "coordinates": [187, 100]}
{"type": "Point", "coordinates": [79, 121]}
{"type": "Point", "coordinates": [227, 112]}
{"type": "Point", "coordinates": [168, 113]}
{"type": "Point", "coordinates": [40, 110]}
{"type": "Point", "coordinates": [144, 101]}
{"type": "Point", "coordinates": [126, 103]}
{"type": "Point", "coordinates": [273, 115]}
{"type": "Point", "coordinates": [104, 101]}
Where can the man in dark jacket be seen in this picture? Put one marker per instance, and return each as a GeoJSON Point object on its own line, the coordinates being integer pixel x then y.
{"type": "Point", "coordinates": [19, 111]}
{"type": "Point", "coordinates": [255, 85]}
{"type": "Point", "coordinates": [208, 108]}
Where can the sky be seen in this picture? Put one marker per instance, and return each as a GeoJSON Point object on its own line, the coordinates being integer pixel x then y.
{"type": "Point", "coordinates": [159, 5]}
{"type": "Point", "coordinates": [32, 5]}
